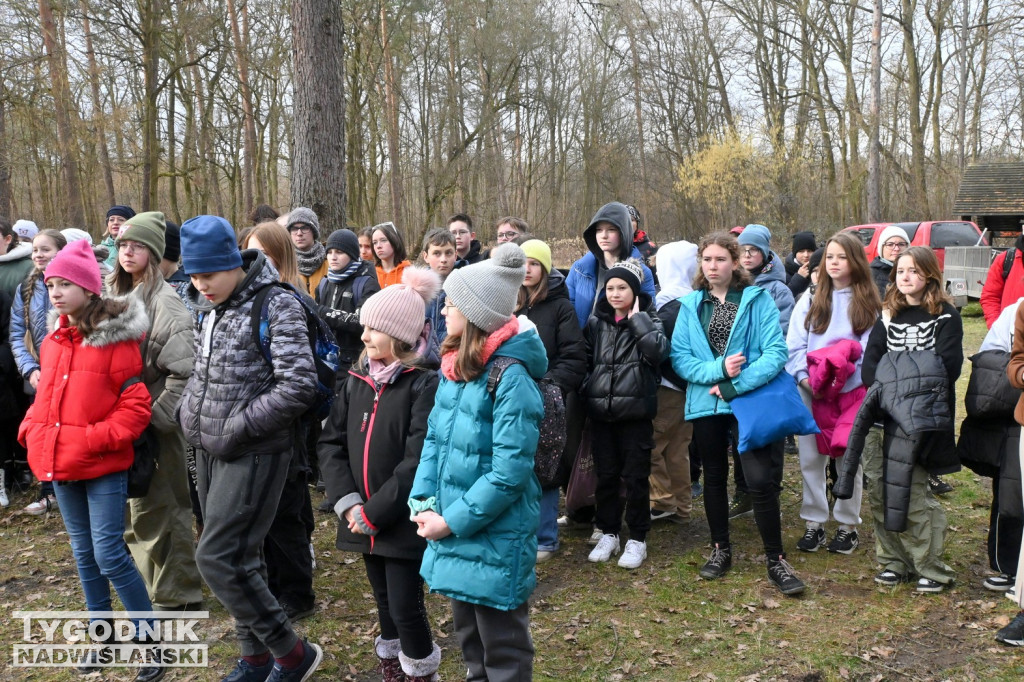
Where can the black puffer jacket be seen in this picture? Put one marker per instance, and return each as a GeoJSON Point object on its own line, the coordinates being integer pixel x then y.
{"type": "Point", "coordinates": [560, 332]}
{"type": "Point", "coordinates": [989, 436]}
{"type": "Point", "coordinates": [234, 404]}
{"type": "Point", "coordinates": [911, 395]}
{"type": "Point", "coordinates": [623, 359]}
{"type": "Point", "coordinates": [369, 452]}
{"type": "Point", "coordinates": [339, 308]}
{"type": "Point", "coordinates": [880, 274]}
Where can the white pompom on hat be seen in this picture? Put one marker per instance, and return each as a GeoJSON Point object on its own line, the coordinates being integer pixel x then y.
{"type": "Point", "coordinates": [400, 309]}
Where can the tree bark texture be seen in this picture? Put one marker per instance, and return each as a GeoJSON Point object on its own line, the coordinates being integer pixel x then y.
{"type": "Point", "coordinates": [318, 155]}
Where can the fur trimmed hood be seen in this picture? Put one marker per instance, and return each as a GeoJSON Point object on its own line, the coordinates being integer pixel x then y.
{"type": "Point", "coordinates": [130, 325]}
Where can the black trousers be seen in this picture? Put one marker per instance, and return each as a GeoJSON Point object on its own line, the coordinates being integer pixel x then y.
{"type": "Point", "coordinates": [398, 591]}
{"type": "Point", "coordinates": [1004, 537]}
{"type": "Point", "coordinates": [622, 452]}
{"type": "Point", "coordinates": [286, 548]}
{"type": "Point", "coordinates": [762, 469]}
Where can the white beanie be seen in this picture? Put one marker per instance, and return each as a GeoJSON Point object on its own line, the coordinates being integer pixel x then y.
{"type": "Point", "coordinates": [891, 231]}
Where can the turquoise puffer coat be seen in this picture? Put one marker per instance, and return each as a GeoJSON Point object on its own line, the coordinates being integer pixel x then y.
{"type": "Point", "coordinates": [477, 463]}
{"type": "Point", "coordinates": [755, 333]}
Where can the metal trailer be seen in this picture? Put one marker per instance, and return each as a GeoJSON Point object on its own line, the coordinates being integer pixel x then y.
{"type": "Point", "coordinates": [966, 269]}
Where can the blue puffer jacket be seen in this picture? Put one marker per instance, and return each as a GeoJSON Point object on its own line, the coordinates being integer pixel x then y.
{"type": "Point", "coordinates": [584, 277]}
{"type": "Point", "coordinates": [477, 464]}
{"type": "Point", "coordinates": [38, 310]}
{"type": "Point", "coordinates": [755, 333]}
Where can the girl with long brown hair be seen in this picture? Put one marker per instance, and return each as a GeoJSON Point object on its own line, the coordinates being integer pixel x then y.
{"type": "Point", "coordinates": [727, 341]}
{"type": "Point", "coordinates": [28, 329]}
{"type": "Point", "coordinates": [475, 497]}
{"type": "Point", "coordinates": [833, 322]}
{"type": "Point", "coordinates": [917, 316]}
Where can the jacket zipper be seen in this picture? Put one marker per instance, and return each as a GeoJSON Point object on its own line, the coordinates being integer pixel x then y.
{"type": "Point", "coordinates": [923, 392]}
{"type": "Point", "coordinates": [206, 384]}
{"type": "Point", "coordinates": [367, 426]}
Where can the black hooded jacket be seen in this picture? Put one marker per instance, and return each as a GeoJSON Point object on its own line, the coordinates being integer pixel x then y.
{"type": "Point", "coordinates": [561, 335]}
{"type": "Point", "coordinates": [623, 359]}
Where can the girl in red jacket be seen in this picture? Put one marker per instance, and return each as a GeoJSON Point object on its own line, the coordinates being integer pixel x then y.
{"type": "Point", "coordinates": [90, 406]}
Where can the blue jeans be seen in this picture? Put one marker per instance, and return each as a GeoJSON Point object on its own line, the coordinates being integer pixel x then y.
{"type": "Point", "coordinates": [93, 513]}
{"type": "Point", "coordinates": [547, 531]}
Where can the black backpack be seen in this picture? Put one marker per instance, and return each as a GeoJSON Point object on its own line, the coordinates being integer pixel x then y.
{"type": "Point", "coordinates": [321, 342]}
{"type": "Point", "coordinates": [551, 442]}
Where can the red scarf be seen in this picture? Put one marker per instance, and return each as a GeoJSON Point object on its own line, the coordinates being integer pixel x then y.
{"type": "Point", "coordinates": [494, 341]}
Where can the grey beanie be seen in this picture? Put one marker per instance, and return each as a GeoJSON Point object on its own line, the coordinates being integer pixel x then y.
{"type": "Point", "coordinates": [485, 292]}
{"type": "Point", "coordinates": [307, 216]}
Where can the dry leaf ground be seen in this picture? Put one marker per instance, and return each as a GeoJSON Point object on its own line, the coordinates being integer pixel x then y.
{"type": "Point", "coordinates": [661, 622]}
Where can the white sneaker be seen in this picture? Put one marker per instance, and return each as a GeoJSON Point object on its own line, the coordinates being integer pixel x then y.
{"type": "Point", "coordinates": [595, 537]}
{"type": "Point", "coordinates": [607, 546]}
{"type": "Point", "coordinates": [633, 554]}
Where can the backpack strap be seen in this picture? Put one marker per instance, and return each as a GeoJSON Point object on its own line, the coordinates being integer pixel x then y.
{"type": "Point", "coordinates": [1008, 258]}
{"type": "Point", "coordinates": [130, 382]}
{"type": "Point", "coordinates": [258, 315]}
{"type": "Point", "coordinates": [498, 367]}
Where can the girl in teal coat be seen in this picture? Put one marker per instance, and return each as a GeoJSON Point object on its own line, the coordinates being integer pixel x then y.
{"type": "Point", "coordinates": [475, 497]}
{"type": "Point", "coordinates": [727, 341]}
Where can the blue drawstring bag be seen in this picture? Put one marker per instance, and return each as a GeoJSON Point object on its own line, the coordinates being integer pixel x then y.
{"type": "Point", "coordinates": [770, 413]}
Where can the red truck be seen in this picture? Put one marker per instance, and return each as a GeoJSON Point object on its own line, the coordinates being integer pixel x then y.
{"type": "Point", "coordinates": [937, 234]}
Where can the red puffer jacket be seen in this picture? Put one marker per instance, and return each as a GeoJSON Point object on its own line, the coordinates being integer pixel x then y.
{"type": "Point", "coordinates": [81, 425]}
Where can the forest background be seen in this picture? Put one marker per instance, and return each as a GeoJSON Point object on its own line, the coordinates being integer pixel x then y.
{"type": "Point", "coordinates": [703, 113]}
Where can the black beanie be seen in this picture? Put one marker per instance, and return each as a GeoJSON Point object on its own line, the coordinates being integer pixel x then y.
{"type": "Point", "coordinates": [172, 242]}
{"type": "Point", "coordinates": [345, 241]}
{"type": "Point", "coordinates": [125, 212]}
{"type": "Point", "coordinates": [804, 241]}
{"type": "Point", "coordinates": [816, 259]}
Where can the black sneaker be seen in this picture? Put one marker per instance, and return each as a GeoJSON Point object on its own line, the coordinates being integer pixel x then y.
{"type": "Point", "coordinates": [844, 542]}
{"type": "Point", "coordinates": [718, 564]}
{"type": "Point", "coordinates": [791, 446]}
{"type": "Point", "coordinates": [813, 539]}
{"type": "Point", "coordinates": [1013, 634]}
{"type": "Point", "coordinates": [929, 586]}
{"type": "Point", "coordinates": [999, 583]}
{"type": "Point", "coordinates": [891, 578]}
{"type": "Point", "coordinates": [661, 515]}
{"type": "Point", "coordinates": [784, 578]}
{"type": "Point", "coordinates": [297, 612]}
{"type": "Point", "coordinates": [741, 505]}
{"type": "Point", "coordinates": [938, 486]}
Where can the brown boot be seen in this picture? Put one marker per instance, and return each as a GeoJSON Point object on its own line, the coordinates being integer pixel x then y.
{"type": "Point", "coordinates": [389, 668]}
{"type": "Point", "coordinates": [421, 669]}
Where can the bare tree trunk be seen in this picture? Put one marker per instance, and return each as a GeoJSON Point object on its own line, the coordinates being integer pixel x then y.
{"type": "Point", "coordinates": [74, 211]}
{"type": "Point", "coordinates": [97, 107]}
{"type": "Point", "coordinates": [5, 162]}
{"type": "Point", "coordinates": [874, 120]}
{"type": "Point", "coordinates": [391, 109]}
{"type": "Point", "coordinates": [918, 198]}
{"type": "Point", "coordinates": [150, 28]}
{"type": "Point", "coordinates": [318, 159]}
{"type": "Point", "coordinates": [637, 105]}
{"type": "Point", "coordinates": [241, 41]}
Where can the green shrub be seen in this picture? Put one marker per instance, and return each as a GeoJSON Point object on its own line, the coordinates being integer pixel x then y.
{"type": "Point", "coordinates": [972, 309]}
